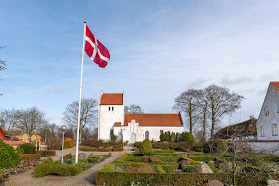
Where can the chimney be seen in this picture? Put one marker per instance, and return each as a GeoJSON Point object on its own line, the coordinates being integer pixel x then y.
{"type": "Point", "coordinates": [251, 117]}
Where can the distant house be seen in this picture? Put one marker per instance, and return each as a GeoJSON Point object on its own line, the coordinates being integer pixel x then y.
{"type": "Point", "coordinates": [268, 121]}
{"type": "Point", "coordinates": [25, 137]}
{"type": "Point", "coordinates": [3, 136]}
{"type": "Point", "coordinates": [36, 140]}
{"type": "Point", "coordinates": [244, 131]}
{"type": "Point", "coordinates": [14, 134]}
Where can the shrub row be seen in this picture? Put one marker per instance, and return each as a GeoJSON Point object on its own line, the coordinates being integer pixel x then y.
{"type": "Point", "coordinates": [103, 149]}
{"type": "Point", "coordinates": [49, 167]}
{"type": "Point", "coordinates": [30, 156]}
{"type": "Point", "coordinates": [123, 178]}
{"type": "Point", "coordinates": [45, 153]}
{"type": "Point", "coordinates": [98, 143]}
{"type": "Point", "coordinates": [178, 146]}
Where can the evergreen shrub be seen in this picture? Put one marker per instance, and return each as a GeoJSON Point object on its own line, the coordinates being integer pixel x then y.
{"type": "Point", "coordinates": [68, 143]}
{"type": "Point", "coordinates": [146, 147]}
{"type": "Point", "coordinates": [8, 156]}
{"type": "Point", "coordinates": [28, 148]}
{"type": "Point", "coordinates": [49, 167]}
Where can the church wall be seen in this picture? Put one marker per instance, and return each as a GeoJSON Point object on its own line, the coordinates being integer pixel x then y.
{"type": "Point", "coordinates": [107, 118]}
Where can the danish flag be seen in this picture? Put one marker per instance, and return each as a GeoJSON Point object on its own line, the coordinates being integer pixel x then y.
{"type": "Point", "coordinates": [95, 49]}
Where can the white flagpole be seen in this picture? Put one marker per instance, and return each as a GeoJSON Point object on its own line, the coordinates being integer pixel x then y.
{"type": "Point", "coordinates": [77, 141]}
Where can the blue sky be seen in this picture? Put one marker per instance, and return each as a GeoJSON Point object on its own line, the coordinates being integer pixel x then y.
{"type": "Point", "coordinates": [158, 49]}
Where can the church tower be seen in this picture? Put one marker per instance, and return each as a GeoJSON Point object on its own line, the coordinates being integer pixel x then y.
{"type": "Point", "coordinates": [111, 110]}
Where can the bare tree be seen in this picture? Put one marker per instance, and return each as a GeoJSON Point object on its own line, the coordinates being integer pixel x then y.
{"type": "Point", "coordinates": [186, 102]}
{"type": "Point", "coordinates": [221, 102]}
{"type": "Point", "coordinates": [30, 120]}
{"type": "Point", "coordinates": [133, 109]}
{"type": "Point", "coordinates": [88, 114]}
{"type": "Point", "coordinates": [7, 119]}
{"type": "Point", "coordinates": [2, 63]}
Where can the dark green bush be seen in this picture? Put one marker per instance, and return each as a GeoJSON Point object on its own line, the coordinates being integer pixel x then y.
{"type": "Point", "coordinates": [8, 156]}
{"type": "Point", "coordinates": [146, 147]}
{"type": "Point", "coordinates": [113, 137]}
{"type": "Point", "coordinates": [49, 167]}
{"type": "Point", "coordinates": [28, 148]}
{"type": "Point", "coordinates": [45, 153]}
{"type": "Point", "coordinates": [30, 156]}
{"type": "Point", "coordinates": [168, 168]}
{"type": "Point", "coordinates": [93, 159]}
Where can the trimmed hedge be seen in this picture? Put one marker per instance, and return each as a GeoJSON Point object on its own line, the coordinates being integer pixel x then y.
{"type": "Point", "coordinates": [91, 149]}
{"type": "Point", "coordinates": [30, 156]}
{"type": "Point", "coordinates": [118, 149]}
{"type": "Point", "coordinates": [123, 178]}
{"type": "Point", "coordinates": [93, 159]}
{"type": "Point", "coordinates": [166, 151]}
{"type": "Point", "coordinates": [45, 153]}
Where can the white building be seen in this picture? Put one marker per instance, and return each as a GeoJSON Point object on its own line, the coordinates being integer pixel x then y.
{"type": "Point", "coordinates": [267, 125]}
{"type": "Point", "coordinates": [133, 127]}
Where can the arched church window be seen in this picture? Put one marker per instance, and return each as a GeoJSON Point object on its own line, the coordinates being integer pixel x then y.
{"type": "Point", "coordinates": [266, 111]}
{"type": "Point", "coordinates": [278, 107]}
{"type": "Point", "coordinates": [146, 135]}
{"type": "Point", "coordinates": [111, 132]}
{"type": "Point", "coordinates": [109, 108]}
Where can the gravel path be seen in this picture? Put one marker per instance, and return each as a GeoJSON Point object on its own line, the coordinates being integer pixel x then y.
{"type": "Point", "coordinates": [87, 177]}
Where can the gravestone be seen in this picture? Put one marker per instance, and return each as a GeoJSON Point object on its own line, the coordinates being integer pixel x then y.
{"type": "Point", "coordinates": [272, 182]}
{"type": "Point", "coordinates": [82, 156]}
{"type": "Point", "coordinates": [204, 168]}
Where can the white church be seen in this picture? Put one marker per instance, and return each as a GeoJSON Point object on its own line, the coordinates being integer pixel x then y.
{"type": "Point", "coordinates": [133, 127]}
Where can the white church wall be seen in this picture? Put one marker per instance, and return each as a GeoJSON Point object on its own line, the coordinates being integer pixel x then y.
{"type": "Point", "coordinates": [133, 128]}
{"type": "Point", "coordinates": [108, 115]}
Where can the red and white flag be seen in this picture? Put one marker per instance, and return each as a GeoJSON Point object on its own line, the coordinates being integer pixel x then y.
{"type": "Point", "coordinates": [95, 49]}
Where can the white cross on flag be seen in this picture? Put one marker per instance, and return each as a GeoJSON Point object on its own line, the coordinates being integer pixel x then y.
{"type": "Point", "coordinates": [95, 49]}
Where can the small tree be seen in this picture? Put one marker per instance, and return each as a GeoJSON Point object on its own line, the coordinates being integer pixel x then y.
{"type": "Point", "coordinates": [146, 147]}
{"type": "Point", "coordinates": [113, 137]}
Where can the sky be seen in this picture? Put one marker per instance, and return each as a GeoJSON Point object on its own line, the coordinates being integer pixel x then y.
{"type": "Point", "coordinates": [158, 49]}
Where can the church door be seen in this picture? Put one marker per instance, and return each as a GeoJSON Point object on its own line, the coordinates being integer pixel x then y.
{"type": "Point", "coordinates": [133, 138]}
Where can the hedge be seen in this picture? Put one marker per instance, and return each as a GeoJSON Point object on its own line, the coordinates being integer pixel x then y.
{"type": "Point", "coordinates": [30, 156]}
{"type": "Point", "coordinates": [46, 152]}
{"type": "Point", "coordinates": [166, 151]}
{"type": "Point", "coordinates": [28, 148]}
{"type": "Point", "coordinates": [91, 149]}
{"type": "Point", "coordinates": [168, 158]}
{"type": "Point", "coordinates": [123, 178]}
{"type": "Point", "coordinates": [118, 149]}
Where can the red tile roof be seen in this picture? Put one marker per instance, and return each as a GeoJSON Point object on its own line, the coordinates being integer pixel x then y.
{"type": "Point", "coordinates": [28, 136]}
{"type": "Point", "coordinates": [172, 120]}
{"type": "Point", "coordinates": [14, 143]}
{"type": "Point", "coordinates": [111, 99]}
{"type": "Point", "coordinates": [43, 143]}
{"type": "Point", "coordinates": [117, 124]}
{"type": "Point", "coordinates": [38, 136]}
{"type": "Point", "coordinates": [3, 135]}
{"type": "Point", "coordinates": [275, 84]}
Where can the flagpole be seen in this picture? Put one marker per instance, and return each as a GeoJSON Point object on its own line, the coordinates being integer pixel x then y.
{"type": "Point", "coordinates": [79, 104]}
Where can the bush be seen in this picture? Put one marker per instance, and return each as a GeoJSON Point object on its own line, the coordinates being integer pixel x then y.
{"type": "Point", "coordinates": [49, 167]}
{"type": "Point", "coordinates": [113, 137]}
{"type": "Point", "coordinates": [28, 148]}
{"type": "Point", "coordinates": [68, 156]}
{"type": "Point", "coordinates": [190, 168]}
{"type": "Point", "coordinates": [146, 147]}
{"type": "Point", "coordinates": [93, 159]}
{"type": "Point", "coordinates": [8, 156]}
{"type": "Point", "coordinates": [215, 146]}
{"type": "Point", "coordinates": [68, 143]}
{"type": "Point", "coordinates": [30, 156]}
{"type": "Point", "coordinates": [155, 159]}
{"type": "Point", "coordinates": [145, 159]}
{"type": "Point", "coordinates": [137, 144]}
{"type": "Point", "coordinates": [90, 149]}
{"type": "Point", "coordinates": [167, 151]}
{"type": "Point", "coordinates": [46, 153]}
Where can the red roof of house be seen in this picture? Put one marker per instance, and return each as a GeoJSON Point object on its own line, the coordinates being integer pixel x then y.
{"type": "Point", "coordinates": [14, 143]}
{"type": "Point", "coordinates": [3, 135]}
{"type": "Point", "coordinates": [275, 84]}
{"type": "Point", "coordinates": [172, 120]}
{"type": "Point", "coordinates": [28, 135]}
{"type": "Point", "coordinates": [43, 143]}
{"type": "Point", "coordinates": [111, 99]}
{"type": "Point", "coordinates": [38, 136]}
